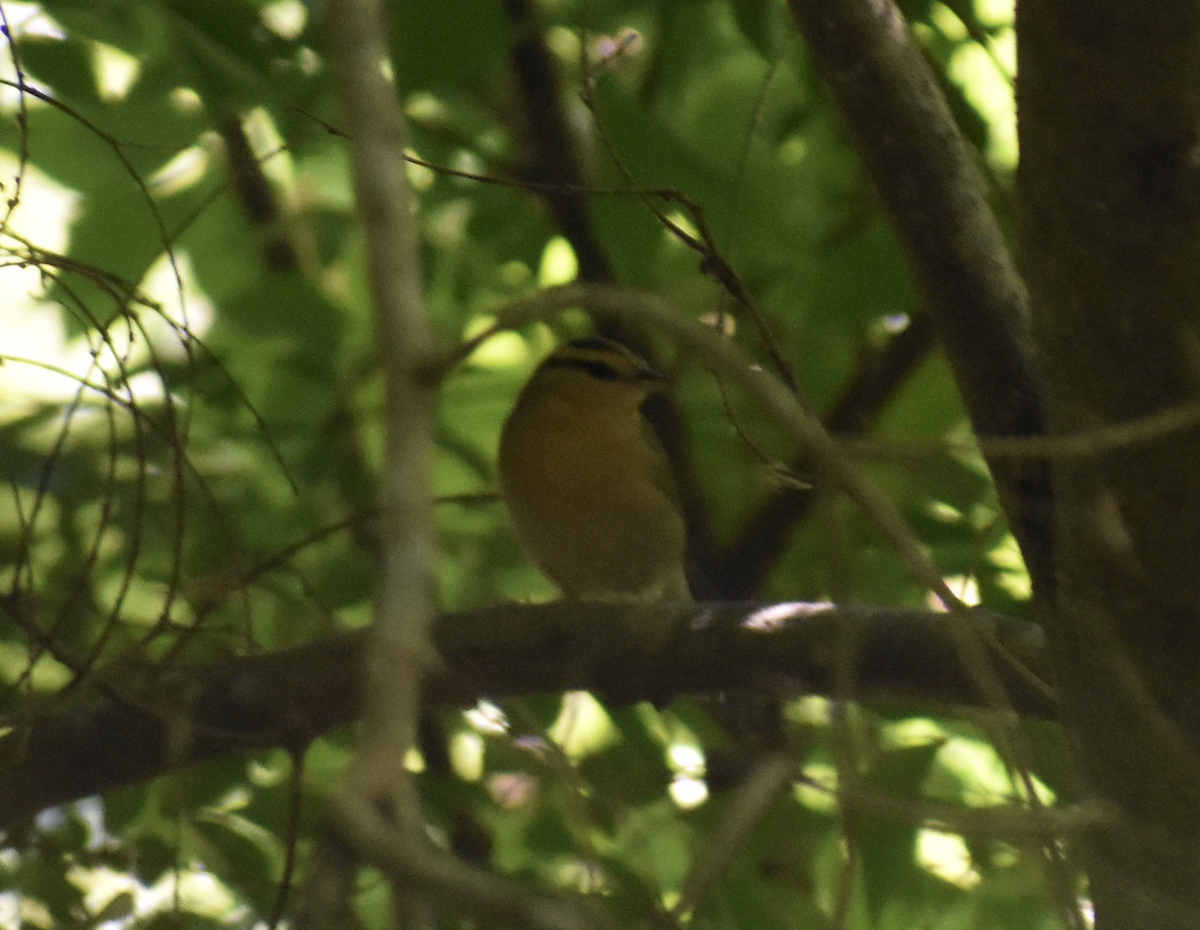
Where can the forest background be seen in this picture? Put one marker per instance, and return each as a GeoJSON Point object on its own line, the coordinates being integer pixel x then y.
{"type": "Point", "coordinates": [247, 441]}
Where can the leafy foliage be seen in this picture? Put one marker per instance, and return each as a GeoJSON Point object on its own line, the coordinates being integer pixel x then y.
{"type": "Point", "coordinates": [190, 433]}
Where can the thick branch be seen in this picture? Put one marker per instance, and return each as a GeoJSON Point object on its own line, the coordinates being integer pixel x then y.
{"type": "Point", "coordinates": [86, 744]}
{"type": "Point", "coordinates": [400, 634]}
{"type": "Point", "coordinates": [923, 170]}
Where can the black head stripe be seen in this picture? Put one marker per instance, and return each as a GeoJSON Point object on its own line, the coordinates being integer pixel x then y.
{"type": "Point", "coordinates": [594, 367]}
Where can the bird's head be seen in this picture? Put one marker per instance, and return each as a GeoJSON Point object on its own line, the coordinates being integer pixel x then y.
{"type": "Point", "coordinates": [596, 372]}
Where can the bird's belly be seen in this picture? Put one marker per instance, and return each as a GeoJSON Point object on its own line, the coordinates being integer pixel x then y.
{"type": "Point", "coordinates": [605, 538]}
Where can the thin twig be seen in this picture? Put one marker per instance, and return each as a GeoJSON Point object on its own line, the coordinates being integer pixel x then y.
{"type": "Point", "coordinates": [771, 777]}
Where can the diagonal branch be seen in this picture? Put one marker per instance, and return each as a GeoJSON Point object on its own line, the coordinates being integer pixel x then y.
{"type": "Point", "coordinates": [741, 568]}
{"type": "Point", "coordinates": [931, 190]}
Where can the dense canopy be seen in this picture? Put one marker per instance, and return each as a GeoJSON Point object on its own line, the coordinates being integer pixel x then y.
{"type": "Point", "coordinates": [941, 518]}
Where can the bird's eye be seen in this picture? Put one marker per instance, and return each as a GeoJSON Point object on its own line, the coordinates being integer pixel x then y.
{"type": "Point", "coordinates": [601, 370]}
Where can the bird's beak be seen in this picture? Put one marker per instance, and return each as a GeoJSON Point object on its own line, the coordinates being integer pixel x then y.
{"type": "Point", "coordinates": [655, 382]}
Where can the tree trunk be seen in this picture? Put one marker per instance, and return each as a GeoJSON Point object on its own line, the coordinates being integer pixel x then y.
{"type": "Point", "coordinates": [1109, 113]}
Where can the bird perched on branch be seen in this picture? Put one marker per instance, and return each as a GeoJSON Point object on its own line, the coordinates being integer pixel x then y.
{"type": "Point", "coordinates": [587, 484]}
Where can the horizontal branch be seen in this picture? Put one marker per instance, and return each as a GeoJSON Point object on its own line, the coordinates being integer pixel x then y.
{"type": "Point", "coordinates": [73, 746]}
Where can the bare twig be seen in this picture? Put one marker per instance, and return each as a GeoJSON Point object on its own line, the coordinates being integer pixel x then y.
{"type": "Point", "coordinates": [378, 810]}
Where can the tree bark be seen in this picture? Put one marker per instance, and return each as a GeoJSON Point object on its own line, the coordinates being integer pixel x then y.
{"type": "Point", "coordinates": [926, 178]}
{"type": "Point", "coordinates": [1109, 187]}
{"type": "Point", "coordinates": [81, 744]}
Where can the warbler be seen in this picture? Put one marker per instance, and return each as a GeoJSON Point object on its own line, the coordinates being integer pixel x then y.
{"type": "Point", "coordinates": [586, 481]}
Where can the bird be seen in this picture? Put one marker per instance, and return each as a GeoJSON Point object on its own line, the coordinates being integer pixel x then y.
{"type": "Point", "coordinates": [589, 491]}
